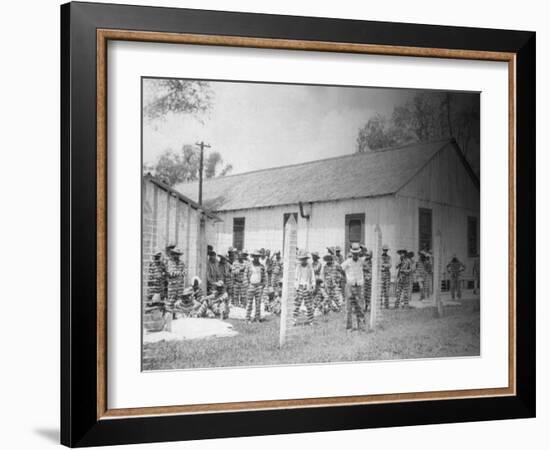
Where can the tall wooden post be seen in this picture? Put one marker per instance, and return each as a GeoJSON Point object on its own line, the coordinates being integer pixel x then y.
{"type": "Point", "coordinates": [375, 280]}
{"type": "Point", "coordinates": [202, 146]}
{"type": "Point", "coordinates": [289, 269]}
{"type": "Point", "coordinates": [437, 267]}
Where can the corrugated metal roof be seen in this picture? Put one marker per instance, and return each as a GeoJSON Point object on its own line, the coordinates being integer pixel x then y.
{"type": "Point", "coordinates": [351, 176]}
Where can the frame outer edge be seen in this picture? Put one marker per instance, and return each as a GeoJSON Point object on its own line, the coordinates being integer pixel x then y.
{"type": "Point", "coordinates": [65, 334]}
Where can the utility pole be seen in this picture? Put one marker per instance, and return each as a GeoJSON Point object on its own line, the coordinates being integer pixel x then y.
{"type": "Point", "coordinates": [202, 146]}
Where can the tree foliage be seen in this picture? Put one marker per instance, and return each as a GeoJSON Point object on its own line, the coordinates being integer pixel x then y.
{"type": "Point", "coordinates": [427, 116]}
{"type": "Point", "coordinates": [169, 95]}
{"type": "Point", "coordinates": [178, 167]}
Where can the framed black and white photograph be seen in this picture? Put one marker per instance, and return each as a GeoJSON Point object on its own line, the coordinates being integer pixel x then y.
{"type": "Point", "coordinates": [294, 223]}
{"type": "Point", "coordinates": [374, 191]}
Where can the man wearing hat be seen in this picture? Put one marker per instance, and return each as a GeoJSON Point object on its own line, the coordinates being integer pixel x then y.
{"type": "Point", "coordinates": [213, 273]}
{"type": "Point", "coordinates": [353, 270]}
{"type": "Point", "coordinates": [403, 279]}
{"type": "Point", "coordinates": [215, 304]}
{"type": "Point", "coordinates": [367, 275]}
{"type": "Point", "coordinates": [455, 269]}
{"type": "Point", "coordinates": [156, 276]}
{"type": "Point", "coordinates": [332, 276]}
{"type": "Point", "coordinates": [255, 279]}
{"type": "Point", "coordinates": [305, 284]}
{"type": "Point", "coordinates": [187, 306]}
{"type": "Point", "coordinates": [385, 267]}
{"type": "Point", "coordinates": [238, 270]}
{"type": "Point", "coordinates": [175, 274]}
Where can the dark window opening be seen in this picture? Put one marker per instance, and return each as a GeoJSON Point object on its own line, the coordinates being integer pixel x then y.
{"type": "Point", "coordinates": [424, 229]}
{"type": "Point", "coordinates": [355, 230]}
{"type": "Point", "coordinates": [238, 233]}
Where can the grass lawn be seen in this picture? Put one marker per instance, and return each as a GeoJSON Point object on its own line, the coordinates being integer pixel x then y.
{"type": "Point", "coordinates": [401, 334]}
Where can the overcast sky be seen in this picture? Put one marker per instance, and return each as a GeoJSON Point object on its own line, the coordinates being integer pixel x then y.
{"type": "Point", "coordinates": [255, 126]}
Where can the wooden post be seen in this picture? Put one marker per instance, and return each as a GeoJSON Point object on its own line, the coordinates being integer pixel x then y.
{"type": "Point", "coordinates": [289, 269]}
{"type": "Point", "coordinates": [437, 266]}
{"type": "Point", "coordinates": [375, 277]}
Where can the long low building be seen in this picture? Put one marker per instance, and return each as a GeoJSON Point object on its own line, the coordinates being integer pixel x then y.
{"type": "Point", "coordinates": [411, 192]}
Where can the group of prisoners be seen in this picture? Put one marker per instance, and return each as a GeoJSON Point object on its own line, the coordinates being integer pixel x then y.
{"type": "Point", "coordinates": [322, 285]}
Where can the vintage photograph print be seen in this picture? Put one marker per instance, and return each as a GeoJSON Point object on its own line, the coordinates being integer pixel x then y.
{"type": "Point", "coordinates": [303, 224]}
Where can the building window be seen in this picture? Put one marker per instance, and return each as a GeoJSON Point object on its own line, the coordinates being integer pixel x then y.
{"type": "Point", "coordinates": [287, 216]}
{"type": "Point", "coordinates": [238, 233]}
{"type": "Point", "coordinates": [472, 236]}
{"type": "Point", "coordinates": [424, 229]}
{"type": "Point", "coordinates": [355, 229]}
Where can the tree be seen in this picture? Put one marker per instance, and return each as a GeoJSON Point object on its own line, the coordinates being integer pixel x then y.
{"type": "Point", "coordinates": [427, 116]}
{"type": "Point", "coordinates": [181, 167]}
{"type": "Point", "coordinates": [167, 95]}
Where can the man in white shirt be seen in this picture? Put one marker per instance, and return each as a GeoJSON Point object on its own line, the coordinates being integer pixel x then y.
{"type": "Point", "coordinates": [353, 270]}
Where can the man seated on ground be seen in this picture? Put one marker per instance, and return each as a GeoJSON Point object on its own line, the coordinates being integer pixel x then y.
{"type": "Point", "coordinates": [187, 306]}
{"type": "Point", "coordinates": [215, 304]}
{"type": "Point", "coordinates": [197, 289]}
{"type": "Point", "coordinates": [272, 301]}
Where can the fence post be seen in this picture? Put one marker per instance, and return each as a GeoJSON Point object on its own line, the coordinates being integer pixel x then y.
{"type": "Point", "coordinates": [375, 277]}
{"type": "Point", "coordinates": [289, 268]}
{"type": "Point", "coordinates": [437, 267]}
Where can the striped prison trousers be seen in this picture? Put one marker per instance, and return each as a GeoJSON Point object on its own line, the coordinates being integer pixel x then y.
{"type": "Point", "coordinates": [254, 297]}
{"type": "Point", "coordinates": [335, 295]}
{"type": "Point", "coordinates": [303, 295]}
{"type": "Point", "coordinates": [367, 291]}
{"type": "Point", "coordinates": [385, 289]}
{"type": "Point", "coordinates": [403, 289]}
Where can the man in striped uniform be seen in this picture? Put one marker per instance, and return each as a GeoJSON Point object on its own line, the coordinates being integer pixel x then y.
{"type": "Point", "coordinates": [403, 280]}
{"type": "Point", "coordinates": [305, 284]}
{"type": "Point", "coordinates": [231, 256]}
{"type": "Point", "coordinates": [239, 283]}
{"type": "Point", "coordinates": [331, 276]}
{"type": "Point", "coordinates": [455, 269]}
{"type": "Point", "coordinates": [225, 272]}
{"type": "Point", "coordinates": [367, 275]}
{"type": "Point", "coordinates": [187, 306]}
{"type": "Point", "coordinates": [213, 274]}
{"type": "Point", "coordinates": [385, 267]}
{"type": "Point", "coordinates": [175, 274]}
{"type": "Point", "coordinates": [410, 257]}
{"type": "Point", "coordinates": [156, 277]}
{"type": "Point", "coordinates": [215, 304]}
{"type": "Point", "coordinates": [276, 271]}
{"type": "Point", "coordinates": [196, 284]}
{"type": "Point", "coordinates": [255, 278]}
{"type": "Point", "coordinates": [353, 270]}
